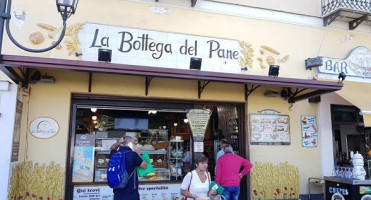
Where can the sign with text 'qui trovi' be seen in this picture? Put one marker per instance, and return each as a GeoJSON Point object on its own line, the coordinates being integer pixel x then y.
{"type": "Point", "coordinates": [198, 121]}
{"type": "Point", "coordinates": [357, 66]}
{"type": "Point", "coordinates": [160, 49]}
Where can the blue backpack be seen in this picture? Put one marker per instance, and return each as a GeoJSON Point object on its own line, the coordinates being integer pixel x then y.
{"type": "Point", "coordinates": [117, 175]}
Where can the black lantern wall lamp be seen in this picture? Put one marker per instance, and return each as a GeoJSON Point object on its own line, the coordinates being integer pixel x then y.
{"type": "Point", "coordinates": [65, 7]}
{"type": "Point", "coordinates": [341, 76]}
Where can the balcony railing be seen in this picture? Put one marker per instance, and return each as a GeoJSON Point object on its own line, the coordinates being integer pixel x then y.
{"type": "Point", "coordinates": [329, 6]}
{"type": "Point", "coordinates": [353, 11]}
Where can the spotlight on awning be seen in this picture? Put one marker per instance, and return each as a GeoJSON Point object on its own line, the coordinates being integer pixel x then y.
{"type": "Point", "coordinates": [195, 63]}
{"type": "Point", "coordinates": [274, 70]}
{"type": "Point", "coordinates": [104, 55]}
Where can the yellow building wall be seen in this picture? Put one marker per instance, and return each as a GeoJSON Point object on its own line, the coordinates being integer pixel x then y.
{"type": "Point", "coordinates": [299, 42]}
{"type": "Point", "coordinates": [54, 100]}
{"type": "Point", "coordinates": [306, 159]}
{"type": "Point", "coordinates": [304, 7]}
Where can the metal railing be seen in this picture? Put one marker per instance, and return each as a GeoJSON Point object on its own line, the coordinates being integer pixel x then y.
{"type": "Point", "coordinates": [329, 6]}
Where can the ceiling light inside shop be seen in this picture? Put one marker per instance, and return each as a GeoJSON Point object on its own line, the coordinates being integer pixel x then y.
{"type": "Point", "coordinates": [94, 117]}
{"type": "Point", "coordinates": [175, 124]}
{"type": "Point", "coordinates": [102, 107]}
{"type": "Point", "coordinates": [94, 109]}
{"type": "Point", "coordinates": [152, 111]}
{"type": "Point", "coordinates": [185, 120]}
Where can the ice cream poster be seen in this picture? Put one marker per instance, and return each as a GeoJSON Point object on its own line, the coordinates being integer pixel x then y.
{"type": "Point", "coordinates": [83, 164]}
{"type": "Point", "coordinates": [309, 131]}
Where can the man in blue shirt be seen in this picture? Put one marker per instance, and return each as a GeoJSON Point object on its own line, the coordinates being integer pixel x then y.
{"type": "Point", "coordinates": [133, 160]}
{"type": "Point", "coordinates": [223, 142]}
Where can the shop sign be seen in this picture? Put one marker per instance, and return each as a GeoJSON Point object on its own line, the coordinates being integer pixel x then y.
{"type": "Point", "coordinates": [357, 66]}
{"type": "Point", "coordinates": [86, 140]}
{"type": "Point", "coordinates": [309, 131]}
{"type": "Point", "coordinates": [160, 192]}
{"type": "Point", "coordinates": [146, 192]}
{"type": "Point", "coordinates": [338, 190]}
{"type": "Point", "coordinates": [160, 49]}
{"type": "Point", "coordinates": [96, 193]}
{"type": "Point", "coordinates": [44, 127]}
{"type": "Point", "coordinates": [268, 129]}
{"type": "Point", "coordinates": [198, 121]}
{"type": "Point", "coordinates": [198, 147]}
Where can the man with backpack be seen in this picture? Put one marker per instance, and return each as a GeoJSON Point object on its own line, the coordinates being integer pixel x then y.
{"type": "Point", "coordinates": [132, 160]}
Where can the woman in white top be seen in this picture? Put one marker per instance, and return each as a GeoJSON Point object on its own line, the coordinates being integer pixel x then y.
{"type": "Point", "coordinates": [196, 183]}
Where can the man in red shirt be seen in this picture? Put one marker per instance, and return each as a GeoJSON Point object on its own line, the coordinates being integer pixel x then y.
{"type": "Point", "coordinates": [228, 173]}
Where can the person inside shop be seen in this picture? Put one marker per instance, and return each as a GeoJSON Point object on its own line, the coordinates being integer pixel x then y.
{"type": "Point", "coordinates": [116, 145]}
{"type": "Point", "coordinates": [228, 173]}
{"type": "Point", "coordinates": [196, 183]}
{"type": "Point", "coordinates": [222, 144]}
{"type": "Point", "coordinates": [133, 160]}
{"type": "Point", "coordinates": [186, 159]}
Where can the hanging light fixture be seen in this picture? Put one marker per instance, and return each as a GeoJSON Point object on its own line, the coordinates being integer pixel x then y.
{"type": "Point", "coordinates": [67, 7]}
{"type": "Point", "coordinates": [93, 109]}
{"type": "Point", "coordinates": [94, 117]}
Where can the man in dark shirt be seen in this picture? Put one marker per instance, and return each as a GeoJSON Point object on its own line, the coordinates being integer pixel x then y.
{"type": "Point", "coordinates": [133, 160]}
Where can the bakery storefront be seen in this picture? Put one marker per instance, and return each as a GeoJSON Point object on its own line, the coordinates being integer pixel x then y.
{"type": "Point", "coordinates": [161, 128]}
{"type": "Point", "coordinates": [152, 89]}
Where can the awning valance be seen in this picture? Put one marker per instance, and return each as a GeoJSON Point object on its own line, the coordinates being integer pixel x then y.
{"type": "Point", "coordinates": [358, 94]}
{"type": "Point", "coordinates": [300, 89]}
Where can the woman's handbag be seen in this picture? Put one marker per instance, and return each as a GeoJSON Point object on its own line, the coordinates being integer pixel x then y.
{"type": "Point", "coordinates": [190, 181]}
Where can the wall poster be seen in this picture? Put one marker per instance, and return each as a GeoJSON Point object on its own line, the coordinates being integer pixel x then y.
{"type": "Point", "coordinates": [309, 131]}
{"type": "Point", "coordinates": [269, 129]}
{"type": "Point", "coordinates": [83, 164]}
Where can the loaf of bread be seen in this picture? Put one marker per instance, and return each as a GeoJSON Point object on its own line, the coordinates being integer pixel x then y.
{"type": "Point", "coordinates": [46, 26]}
{"type": "Point", "coordinates": [36, 37]}
{"type": "Point", "coordinates": [270, 49]}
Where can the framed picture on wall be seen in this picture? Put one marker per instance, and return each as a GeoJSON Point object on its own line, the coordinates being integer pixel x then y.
{"type": "Point", "coordinates": [267, 129]}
